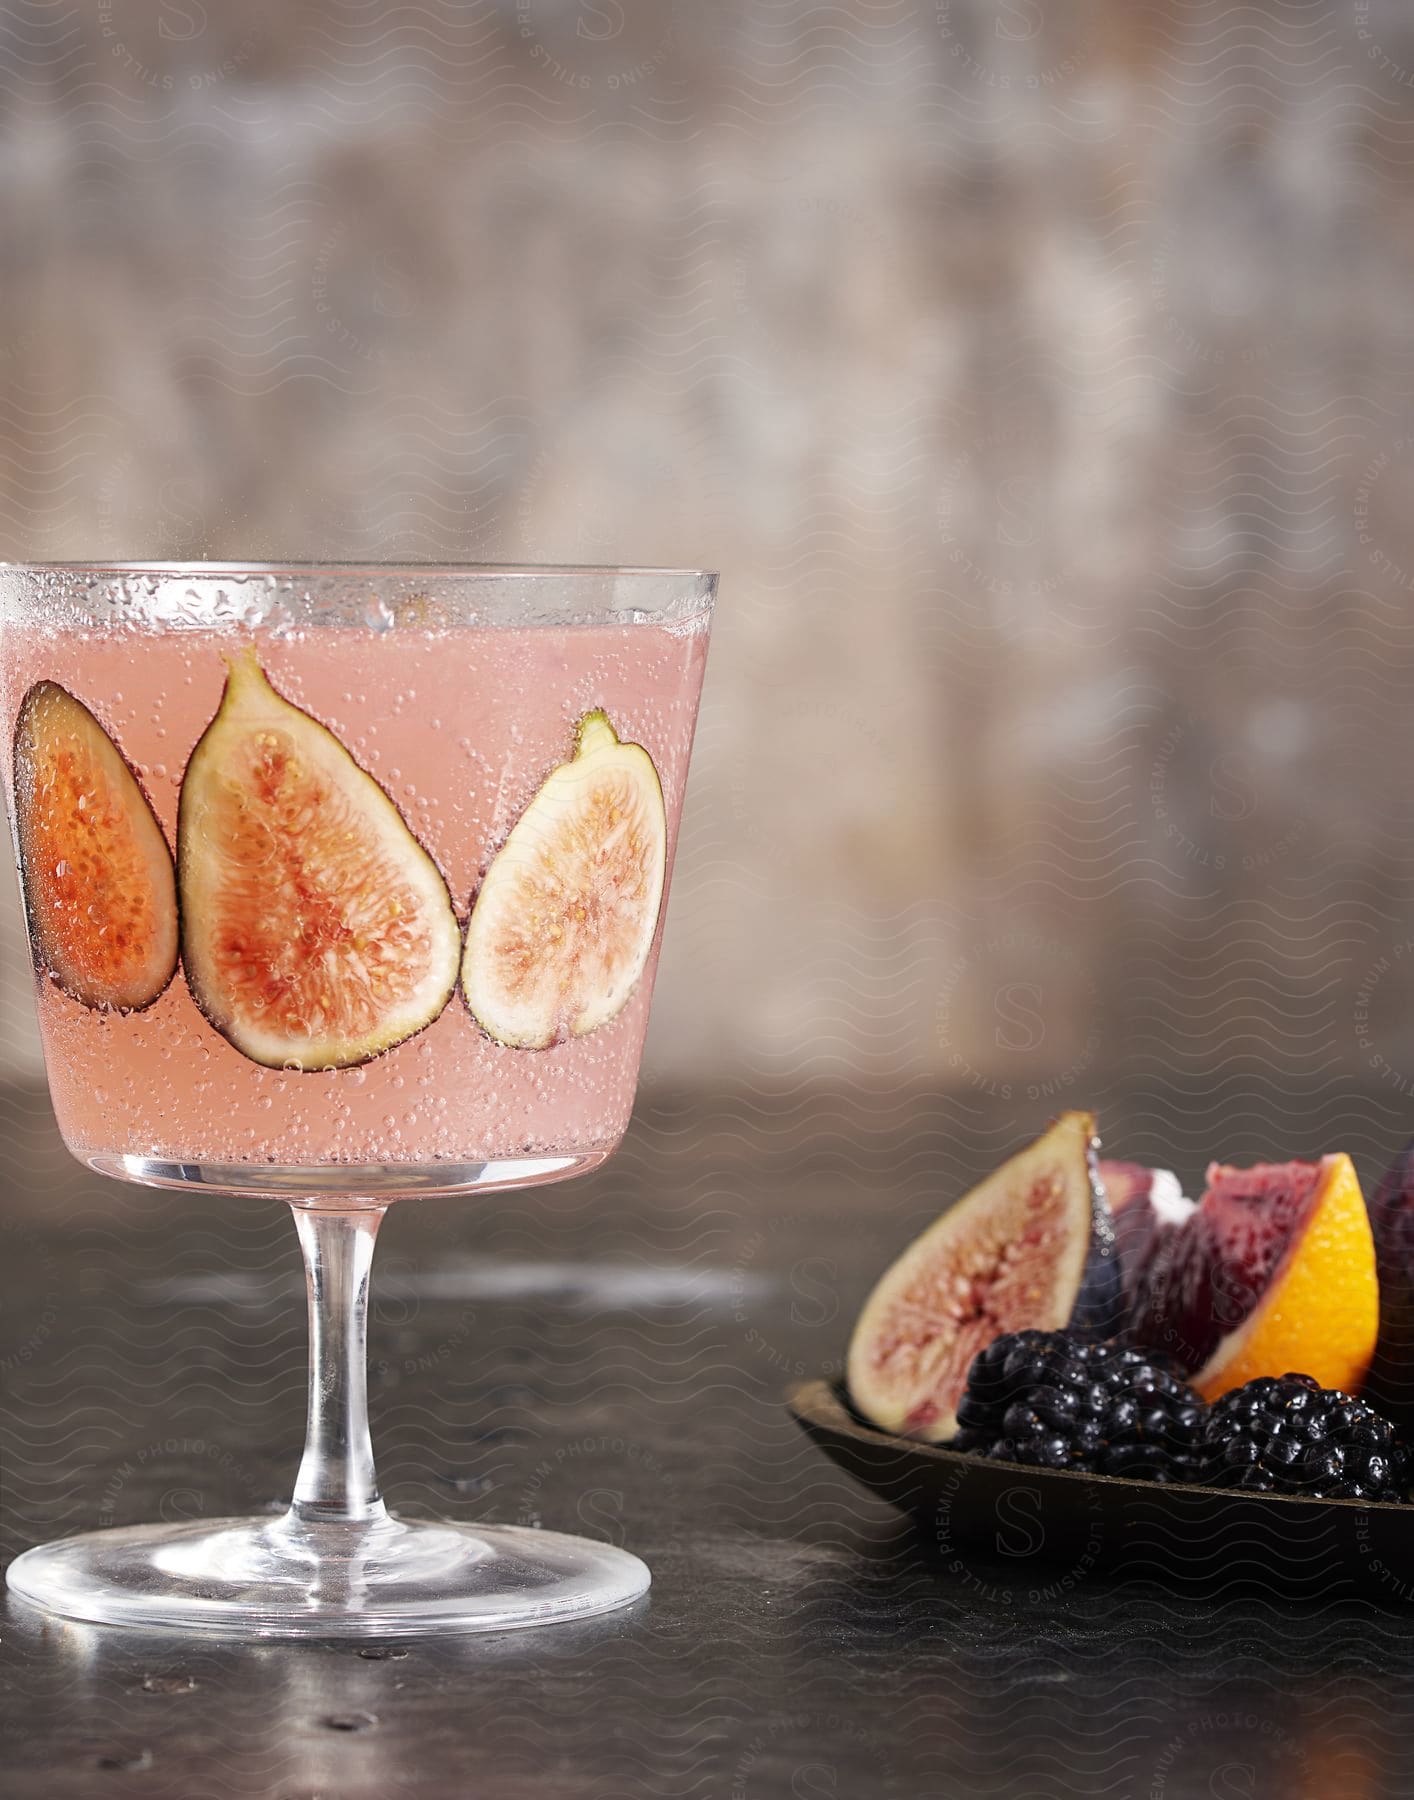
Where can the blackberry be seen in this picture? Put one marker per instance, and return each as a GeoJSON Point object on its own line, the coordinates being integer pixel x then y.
{"type": "Point", "coordinates": [1287, 1435]}
{"type": "Point", "coordinates": [1049, 1400]}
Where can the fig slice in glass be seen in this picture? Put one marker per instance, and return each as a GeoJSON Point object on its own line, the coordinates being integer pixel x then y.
{"type": "Point", "coordinates": [316, 931]}
{"type": "Point", "coordinates": [565, 919]}
{"type": "Point", "coordinates": [95, 868]}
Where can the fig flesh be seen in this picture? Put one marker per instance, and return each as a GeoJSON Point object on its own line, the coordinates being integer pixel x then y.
{"type": "Point", "coordinates": [316, 931]}
{"type": "Point", "coordinates": [1031, 1247]}
{"type": "Point", "coordinates": [99, 887]}
{"type": "Point", "coordinates": [563, 925]}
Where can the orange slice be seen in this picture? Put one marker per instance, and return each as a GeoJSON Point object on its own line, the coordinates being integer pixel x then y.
{"type": "Point", "coordinates": [1319, 1312]}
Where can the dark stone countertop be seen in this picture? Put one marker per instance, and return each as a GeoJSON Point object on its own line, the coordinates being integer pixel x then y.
{"type": "Point", "coordinates": [609, 1356]}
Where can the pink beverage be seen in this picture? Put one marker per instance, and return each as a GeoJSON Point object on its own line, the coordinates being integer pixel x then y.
{"type": "Point", "coordinates": [460, 727]}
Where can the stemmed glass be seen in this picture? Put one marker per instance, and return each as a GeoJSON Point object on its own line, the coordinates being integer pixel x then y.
{"type": "Point", "coordinates": [344, 885]}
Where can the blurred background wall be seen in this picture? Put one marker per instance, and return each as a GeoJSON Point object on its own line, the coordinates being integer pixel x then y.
{"type": "Point", "coordinates": [1038, 377]}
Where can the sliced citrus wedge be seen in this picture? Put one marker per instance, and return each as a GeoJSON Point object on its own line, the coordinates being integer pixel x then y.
{"type": "Point", "coordinates": [1315, 1307]}
{"type": "Point", "coordinates": [97, 875]}
{"type": "Point", "coordinates": [564, 921]}
{"type": "Point", "coordinates": [316, 931]}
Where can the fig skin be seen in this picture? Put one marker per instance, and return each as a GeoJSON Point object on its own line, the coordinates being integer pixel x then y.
{"type": "Point", "coordinates": [962, 1284]}
{"type": "Point", "coordinates": [1389, 1387]}
{"type": "Point", "coordinates": [247, 681]}
{"type": "Point", "coordinates": [1099, 1307]}
{"type": "Point", "coordinates": [1147, 1207]}
{"type": "Point", "coordinates": [24, 744]}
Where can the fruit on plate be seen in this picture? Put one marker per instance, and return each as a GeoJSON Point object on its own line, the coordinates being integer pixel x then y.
{"type": "Point", "coordinates": [316, 931]}
{"type": "Point", "coordinates": [1275, 1270]}
{"type": "Point", "coordinates": [1031, 1247]}
{"type": "Point", "coordinates": [1390, 1385]}
{"type": "Point", "coordinates": [565, 918]}
{"type": "Point", "coordinates": [99, 887]}
{"type": "Point", "coordinates": [1288, 1435]}
{"type": "Point", "coordinates": [1052, 1401]}
{"type": "Point", "coordinates": [1147, 1206]}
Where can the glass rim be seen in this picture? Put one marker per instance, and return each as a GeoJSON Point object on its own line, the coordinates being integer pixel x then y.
{"type": "Point", "coordinates": [207, 570]}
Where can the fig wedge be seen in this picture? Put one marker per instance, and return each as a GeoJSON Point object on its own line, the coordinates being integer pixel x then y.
{"type": "Point", "coordinates": [564, 922]}
{"type": "Point", "coordinates": [1148, 1206]}
{"type": "Point", "coordinates": [1030, 1248]}
{"type": "Point", "coordinates": [316, 931]}
{"type": "Point", "coordinates": [1390, 1387]}
{"type": "Point", "coordinates": [100, 891]}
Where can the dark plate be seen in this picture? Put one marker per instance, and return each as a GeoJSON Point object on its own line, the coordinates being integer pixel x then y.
{"type": "Point", "coordinates": [992, 1521]}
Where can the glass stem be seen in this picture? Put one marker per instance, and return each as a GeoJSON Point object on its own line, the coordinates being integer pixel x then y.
{"type": "Point", "coordinates": [337, 1482]}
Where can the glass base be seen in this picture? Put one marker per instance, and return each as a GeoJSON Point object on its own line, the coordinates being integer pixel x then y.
{"type": "Point", "coordinates": [337, 1183]}
{"type": "Point", "coordinates": [292, 1578]}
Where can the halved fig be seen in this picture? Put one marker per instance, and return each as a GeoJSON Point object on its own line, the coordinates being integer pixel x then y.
{"type": "Point", "coordinates": [316, 931]}
{"type": "Point", "coordinates": [97, 875]}
{"type": "Point", "coordinates": [564, 922]}
{"type": "Point", "coordinates": [1030, 1248]}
